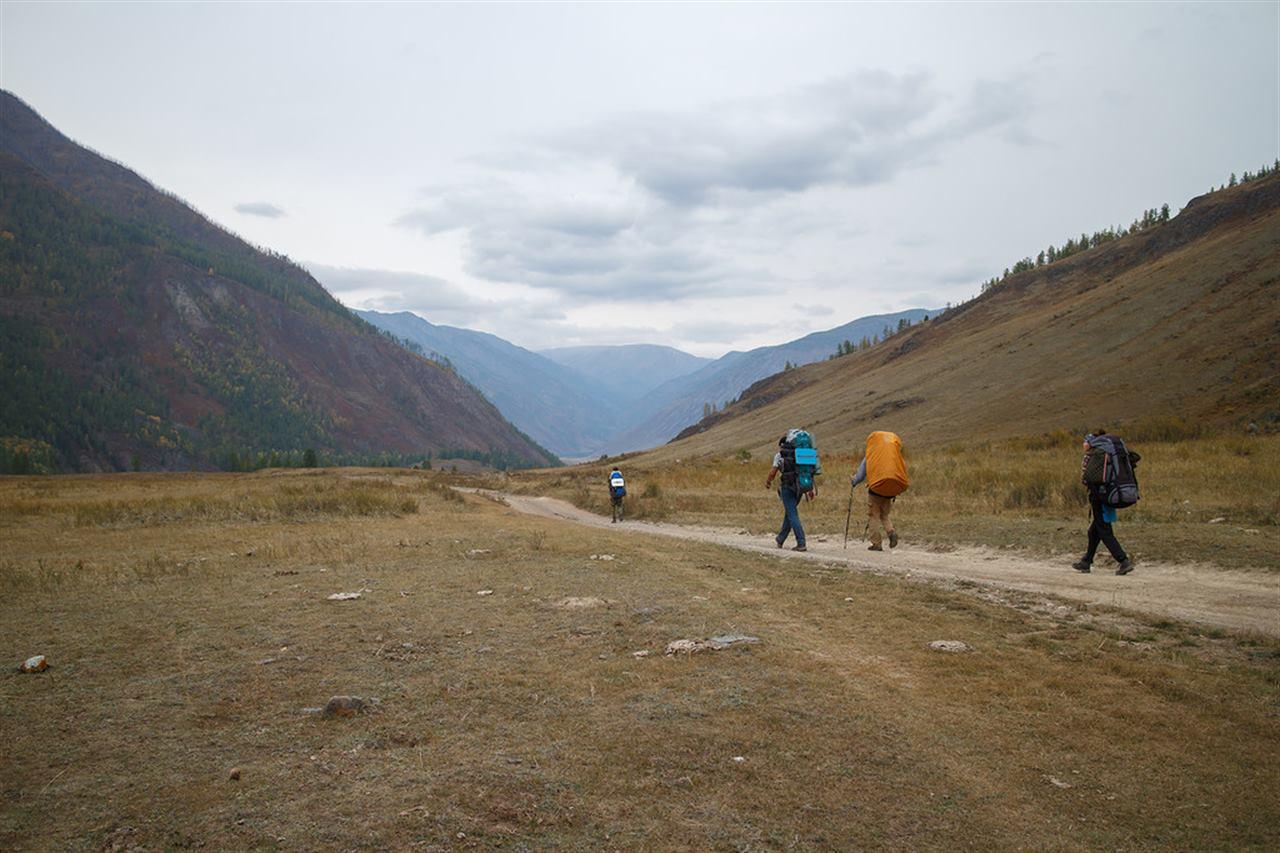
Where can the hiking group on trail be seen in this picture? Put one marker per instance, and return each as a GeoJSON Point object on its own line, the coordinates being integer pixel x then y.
{"type": "Point", "coordinates": [1107, 472]}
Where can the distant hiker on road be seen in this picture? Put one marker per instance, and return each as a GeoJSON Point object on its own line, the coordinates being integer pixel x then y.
{"type": "Point", "coordinates": [797, 462]}
{"type": "Point", "coordinates": [1107, 472]}
{"type": "Point", "coordinates": [885, 472]}
{"type": "Point", "coordinates": [617, 491]}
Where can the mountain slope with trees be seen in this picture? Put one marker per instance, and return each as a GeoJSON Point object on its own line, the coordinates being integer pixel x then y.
{"type": "Point", "coordinates": [134, 333]}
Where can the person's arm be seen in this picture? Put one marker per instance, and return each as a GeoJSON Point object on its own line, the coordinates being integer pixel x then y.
{"type": "Point", "coordinates": [860, 474]}
{"type": "Point", "coordinates": [768, 481]}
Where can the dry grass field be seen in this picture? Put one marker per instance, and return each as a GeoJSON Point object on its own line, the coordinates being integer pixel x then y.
{"type": "Point", "coordinates": [1022, 493]}
{"type": "Point", "coordinates": [187, 623]}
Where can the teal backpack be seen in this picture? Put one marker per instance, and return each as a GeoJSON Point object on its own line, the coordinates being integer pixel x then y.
{"type": "Point", "coordinates": [799, 460]}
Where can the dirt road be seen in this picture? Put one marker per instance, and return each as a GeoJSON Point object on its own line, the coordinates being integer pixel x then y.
{"type": "Point", "coordinates": [1239, 600]}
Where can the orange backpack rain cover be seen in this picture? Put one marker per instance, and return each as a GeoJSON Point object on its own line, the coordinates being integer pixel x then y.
{"type": "Point", "coordinates": [886, 469]}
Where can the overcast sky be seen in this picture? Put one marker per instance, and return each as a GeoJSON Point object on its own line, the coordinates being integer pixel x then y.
{"type": "Point", "coordinates": [711, 177]}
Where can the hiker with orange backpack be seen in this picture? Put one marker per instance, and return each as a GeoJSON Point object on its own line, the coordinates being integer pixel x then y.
{"type": "Point", "coordinates": [885, 473]}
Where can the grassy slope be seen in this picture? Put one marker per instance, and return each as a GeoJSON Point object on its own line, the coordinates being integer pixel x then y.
{"type": "Point", "coordinates": [511, 721]}
{"type": "Point", "coordinates": [1182, 320]}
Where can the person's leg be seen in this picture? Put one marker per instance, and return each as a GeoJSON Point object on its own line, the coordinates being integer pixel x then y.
{"type": "Point", "coordinates": [787, 512]}
{"type": "Point", "coordinates": [1108, 537]}
{"type": "Point", "coordinates": [873, 518]}
{"type": "Point", "coordinates": [886, 507]}
{"type": "Point", "coordinates": [793, 509]}
{"type": "Point", "coordinates": [1095, 535]}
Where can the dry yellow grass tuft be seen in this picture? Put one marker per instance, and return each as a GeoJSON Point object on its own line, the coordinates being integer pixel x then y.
{"type": "Point", "coordinates": [183, 649]}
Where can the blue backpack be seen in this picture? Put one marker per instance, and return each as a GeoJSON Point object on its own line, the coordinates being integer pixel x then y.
{"type": "Point", "coordinates": [799, 460]}
{"type": "Point", "coordinates": [617, 486]}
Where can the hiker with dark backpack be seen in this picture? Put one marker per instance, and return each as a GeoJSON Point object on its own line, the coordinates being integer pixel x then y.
{"type": "Point", "coordinates": [617, 491]}
{"type": "Point", "coordinates": [885, 472]}
{"type": "Point", "coordinates": [1107, 472]}
{"type": "Point", "coordinates": [797, 463]}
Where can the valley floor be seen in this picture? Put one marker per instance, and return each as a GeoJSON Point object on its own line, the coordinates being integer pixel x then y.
{"type": "Point", "coordinates": [524, 698]}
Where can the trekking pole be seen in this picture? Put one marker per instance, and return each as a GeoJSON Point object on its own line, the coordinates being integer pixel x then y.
{"type": "Point", "coordinates": [848, 515]}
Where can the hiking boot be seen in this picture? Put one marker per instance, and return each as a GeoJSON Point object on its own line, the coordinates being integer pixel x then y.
{"type": "Point", "coordinates": [1126, 566]}
{"type": "Point", "coordinates": [874, 548]}
{"type": "Point", "coordinates": [799, 548]}
{"type": "Point", "coordinates": [1082, 566]}
{"type": "Point", "coordinates": [893, 539]}
{"type": "Point", "coordinates": [778, 542]}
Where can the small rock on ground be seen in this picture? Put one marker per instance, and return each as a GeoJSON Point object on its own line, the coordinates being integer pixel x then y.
{"type": "Point", "coordinates": [34, 664]}
{"type": "Point", "coordinates": [573, 603]}
{"type": "Point", "coordinates": [344, 706]}
{"type": "Point", "coordinates": [712, 644]}
{"type": "Point", "coordinates": [344, 596]}
{"type": "Point", "coordinates": [484, 592]}
{"type": "Point", "coordinates": [950, 646]}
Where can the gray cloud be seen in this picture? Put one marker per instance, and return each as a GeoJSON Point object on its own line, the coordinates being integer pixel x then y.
{"type": "Point", "coordinates": [667, 206]}
{"type": "Point", "coordinates": [854, 131]}
{"type": "Point", "coordinates": [813, 310]}
{"type": "Point", "coordinates": [260, 208]}
{"type": "Point", "coordinates": [437, 300]}
{"type": "Point", "coordinates": [601, 250]}
{"type": "Point", "coordinates": [717, 331]}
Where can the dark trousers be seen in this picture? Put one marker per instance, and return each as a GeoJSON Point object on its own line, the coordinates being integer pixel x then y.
{"type": "Point", "coordinates": [617, 507]}
{"type": "Point", "coordinates": [1100, 531]}
{"type": "Point", "coordinates": [791, 516]}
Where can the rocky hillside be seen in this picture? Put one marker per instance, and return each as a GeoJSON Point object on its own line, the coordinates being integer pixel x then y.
{"type": "Point", "coordinates": [134, 333]}
{"type": "Point", "coordinates": [1178, 323]}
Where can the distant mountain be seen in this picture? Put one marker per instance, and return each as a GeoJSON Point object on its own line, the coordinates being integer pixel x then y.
{"type": "Point", "coordinates": [136, 333]}
{"type": "Point", "coordinates": [628, 371]}
{"type": "Point", "coordinates": [1165, 332]}
{"type": "Point", "coordinates": [559, 408]}
{"type": "Point", "coordinates": [680, 402]}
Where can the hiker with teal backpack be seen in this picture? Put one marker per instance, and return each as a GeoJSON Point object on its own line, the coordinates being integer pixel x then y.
{"type": "Point", "coordinates": [617, 491]}
{"type": "Point", "coordinates": [797, 463]}
{"type": "Point", "coordinates": [1107, 472]}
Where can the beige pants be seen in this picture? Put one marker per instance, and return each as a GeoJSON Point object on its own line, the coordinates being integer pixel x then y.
{"type": "Point", "coordinates": [878, 513]}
